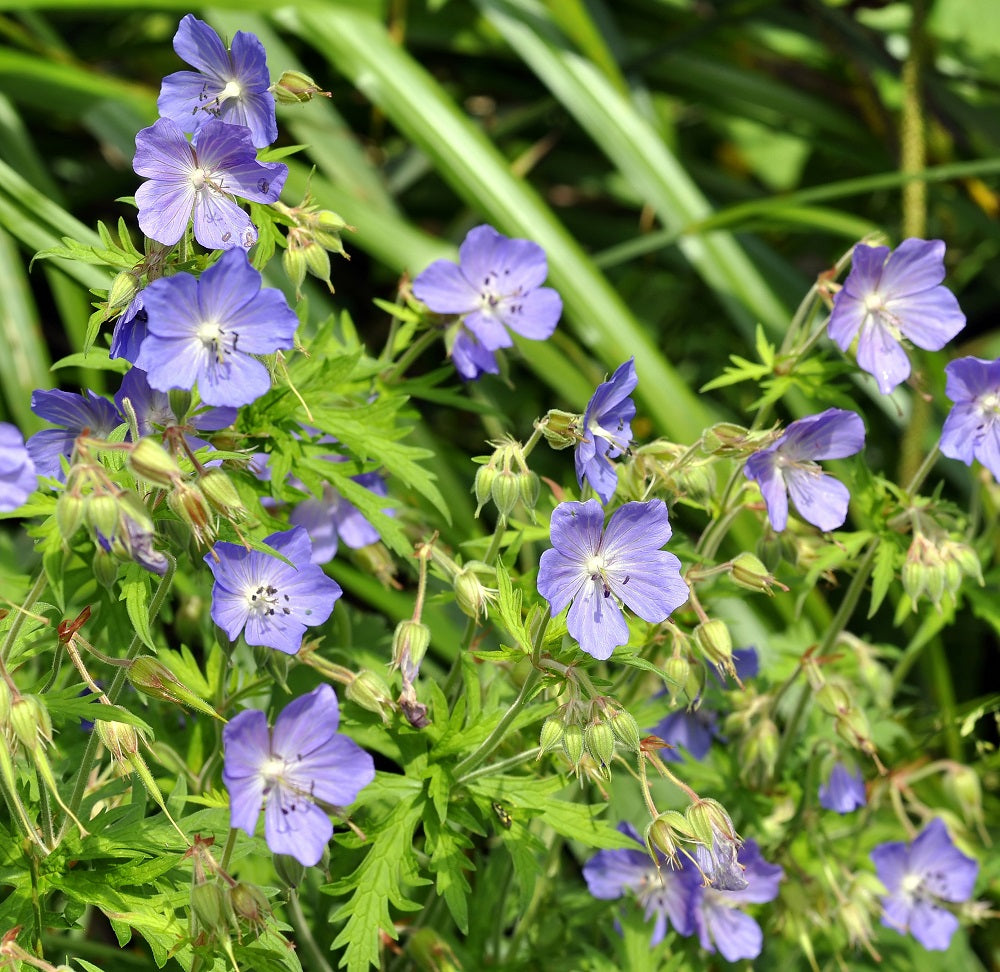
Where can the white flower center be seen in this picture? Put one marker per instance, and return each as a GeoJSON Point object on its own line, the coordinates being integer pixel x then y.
{"type": "Point", "coordinates": [595, 565]}
{"type": "Point", "coordinates": [912, 886]}
{"type": "Point", "coordinates": [273, 768]}
{"type": "Point", "coordinates": [989, 403]}
{"type": "Point", "coordinates": [233, 89]}
{"type": "Point", "coordinates": [199, 177]}
{"type": "Point", "coordinates": [873, 303]}
{"type": "Point", "coordinates": [266, 600]}
{"type": "Point", "coordinates": [217, 341]}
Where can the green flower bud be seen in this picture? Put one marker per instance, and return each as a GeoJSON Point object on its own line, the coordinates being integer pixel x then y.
{"type": "Point", "coordinates": [119, 738]}
{"type": "Point", "coordinates": [551, 735]}
{"type": "Point", "coordinates": [666, 834]}
{"type": "Point", "coordinates": [626, 729]}
{"type": "Point", "coordinates": [833, 699]}
{"type": "Point", "coordinates": [249, 904]}
{"type": "Point", "coordinates": [561, 429]}
{"type": "Point", "coordinates": [151, 677]}
{"type": "Point", "coordinates": [572, 743]}
{"type": "Point", "coordinates": [5, 702]}
{"type": "Point", "coordinates": [330, 222]}
{"type": "Point", "coordinates": [30, 722]}
{"type": "Point", "coordinates": [712, 637]}
{"type": "Point", "coordinates": [409, 645]}
{"type": "Point", "coordinates": [318, 263]}
{"type": "Point", "coordinates": [210, 908]}
{"type": "Point", "coordinates": [151, 462]}
{"type": "Point", "coordinates": [293, 262]}
{"type": "Point", "coordinates": [470, 593]}
{"type": "Point", "coordinates": [290, 872]}
{"type": "Point", "coordinates": [529, 487]}
{"type": "Point", "coordinates": [678, 671]}
{"type": "Point", "coordinates": [370, 691]}
{"type": "Point", "coordinates": [749, 572]}
{"type": "Point", "coordinates": [105, 568]}
{"type": "Point", "coordinates": [599, 739]}
{"type": "Point", "coordinates": [505, 491]}
{"type": "Point", "coordinates": [222, 495]}
{"type": "Point", "coordinates": [180, 403]}
{"type": "Point", "coordinates": [103, 513]}
{"type": "Point", "coordinates": [70, 512]}
{"type": "Point", "coordinates": [483, 485]}
{"type": "Point", "coordinates": [852, 726]}
{"type": "Point", "coordinates": [189, 504]}
{"type": "Point", "coordinates": [123, 288]}
{"type": "Point", "coordinates": [295, 88]}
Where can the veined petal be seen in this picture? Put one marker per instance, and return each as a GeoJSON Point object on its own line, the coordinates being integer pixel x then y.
{"type": "Point", "coordinates": [219, 224]}
{"type": "Point", "coordinates": [476, 255]}
{"type": "Point", "coordinates": [174, 362]}
{"type": "Point", "coordinates": [930, 320]}
{"type": "Point", "coordinates": [867, 263]}
{"type": "Point", "coordinates": [650, 584]}
{"type": "Point", "coordinates": [833, 434]}
{"type": "Point", "coordinates": [234, 380]}
{"type": "Point", "coordinates": [172, 309]}
{"type": "Point", "coordinates": [593, 466]}
{"type": "Point", "coordinates": [968, 378]}
{"type": "Point", "coordinates": [962, 431]}
{"type": "Point", "coordinates": [306, 725]}
{"type": "Point", "coordinates": [183, 97]}
{"type": "Point", "coordinates": [846, 318]}
{"type": "Point", "coordinates": [735, 934]}
{"type": "Point", "coordinates": [294, 825]}
{"type": "Point", "coordinates": [316, 518]}
{"type": "Point", "coordinates": [520, 265]}
{"type": "Point", "coordinates": [339, 771]}
{"type": "Point", "coordinates": [915, 266]}
{"type": "Point", "coordinates": [201, 47]}
{"type": "Point", "coordinates": [444, 289]}
{"type": "Point", "coordinates": [763, 469]}
{"type": "Point", "coordinates": [946, 871]}
{"type": "Point", "coordinates": [596, 621]}
{"type": "Point", "coordinates": [576, 528]}
{"type": "Point", "coordinates": [819, 499]}
{"type": "Point", "coordinates": [488, 329]}
{"type": "Point", "coordinates": [932, 925]}
{"type": "Point", "coordinates": [246, 744]}
{"type": "Point", "coordinates": [533, 314]}
{"type": "Point", "coordinates": [882, 356]}
{"type": "Point", "coordinates": [609, 873]}
{"type": "Point", "coordinates": [988, 448]}
{"type": "Point", "coordinates": [635, 527]}
{"type": "Point", "coordinates": [470, 358]}
{"type": "Point", "coordinates": [163, 153]}
{"type": "Point", "coordinates": [559, 579]}
{"type": "Point", "coordinates": [165, 209]}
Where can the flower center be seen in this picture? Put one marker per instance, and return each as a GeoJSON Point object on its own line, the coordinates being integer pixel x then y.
{"type": "Point", "coordinates": [266, 601]}
{"type": "Point", "coordinates": [198, 178]}
{"type": "Point", "coordinates": [989, 404]}
{"type": "Point", "coordinates": [217, 341]}
{"type": "Point", "coordinates": [912, 886]}
{"type": "Point", "coordinates": [595, 565]}
{"type": "Point", "coordinates": [233, 89]}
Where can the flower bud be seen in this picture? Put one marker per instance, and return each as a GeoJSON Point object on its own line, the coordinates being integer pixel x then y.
{"type": "Point", "coordinates": [599, 740]}
{"type": "Point", "coordinates": [964, 785]}
{"type": "Point", "coordinates": [103, 513]}
{"type": "Point", "coordinates": [123, 288]}
{"type": "Point", "coordinates": [505, 491]}
{"type": "Point", "coordinates": [210, 908]}
{"type": "Point", "coordinates": [626, 729]}
{"type": "Point", "coordinates": [249, 904]}
{"type": "Point", "coordinates": [70, 511]}
{"type": "Point", "coordinates": [678, 671]}
{"type": "Point", "coordinates": [572, 743]}
{"type": "Point", "coordinates": [318, 262]}
{"type": "Point", "coordinates": [750, 573]}
{"type": "Point", "coordinates": [483, 485]}
{"type": "Point", "coordinates": [709, 820]}
{"type": "Point", "coordinates": [295, 88]}
{"type": "Point", "coordinates": [561, 429]}
{"type": "Point", "coordinates": [551, 735]}
{"type": "Point", "coordinates": [30, 722]}
{"type": "Point", "coordinates": [666, 833]}
{"type": "Point", "coordinates": [470, 593]}
{"type": "Point", "coordinates": [105, 568]}
{"type": "Point", "coordinates": [290, 872]}
{"type": "Point", "coordinates": [189, 504]}
{"type": "Point", "coordinates": [5, 702]}
{"type": "Point", "coordinates": [151, 677]}
{"type": "Point", "coordinates": [119, 738]}
{"type": "Point", "coordinates": [222, 495]}
{"type": "Point", "coordinates": [409, 645]}
{"type": "Point", "coordinates": [529, 487]}
{"type": "Point", "coordinates": [833, 698]}
{"type": "Point", "coordinates": [293, 262]}
{"type": "Point", "coordinates": [712, 637]}
{"type": "Point", "coordinates": [369, 690]}
{"type": "Point", "coordinates": [180, 403]}
{"type": "Point", "coordinates": [151, 462]}
{"type": "Point", "coordinates": [852, 726]}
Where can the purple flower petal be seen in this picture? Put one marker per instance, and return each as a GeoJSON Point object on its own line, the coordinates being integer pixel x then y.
{"type": "Point", "coordinates": [607, 431]}
{"type": "Point", "coordinates": [17, 470]}
{"type": "Point", "coordinates": [294, 825]}
{"type": "Point", "coordinates": [844, 791]}
{"type": "Point", "coordinates": [820, 500]}
{"type": "Point", "coordinates": [972, 428]}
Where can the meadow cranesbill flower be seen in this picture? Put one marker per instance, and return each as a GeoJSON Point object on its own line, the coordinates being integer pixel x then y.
{"type": "Point", "coordinates": [972, 428]}
{"type": "Point", "coordinates": [598, 570]}
{"type": "Point", "coordinates": [199, 179]}
{"type": "Point", "coordinates": [844, 790]}
{"type": "Point", "coordinates": [17, 471]}
{"type": "Point", "coordinates": [716, 914]}
{"type": "Point", "coordinates": [664, 891]}
{"type": "Point", "coordinates": [332, 518]}
{"type": "Point", "coordinates": [692, 731]}
{"type": "Point", "coordinates": [74, 413]}
{"type": "Point", "coordinates": [129, 330]}
{"type": "Point", "coordinates": [606, 431]}
{"type": "Point", "coordinates": [231, 85]}
{"type": "Point", "coordinates": [496, 285]}
{"type": "Point", "coordinates": [469, 356]}
{"type": "Point", "coordinates": [890, 296]}
{"type": "Point", "coordinates": [270, 601]}
{"type": "Point", "coordinates": [788, 466]}
{"type": "Point", "coordinates": [286, 771]}
{"type": "Point", "coordinates": [921, 879]}
{"type": "Point", "coordinates": [206, 330]}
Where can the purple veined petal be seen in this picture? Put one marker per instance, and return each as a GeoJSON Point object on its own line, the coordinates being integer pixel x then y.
{"type": "Point", "coordinates": [867, 263]}
{"type": "Point", "coordinates": [306, 724]}
{"type": "Point", "coordinates": [316, 518]}
{"type": "Point", "coordinates": [596, 469]}
{"type": "Point", "coordinates": [488, 330]}
{"type": "Point", "coordinates": [17, 470]}
{"type": "Point", "coordinates": [219, 224]}
{"type": "Point", "coordinates": [633, 527]}
{"type": "Point", "coordinates": [721, 864]}
{"type": "Point", "coordinates": [612, 394]}
{"type": "Point", "coordinates": [295, 826]}
{"type": "Point", "coordinates": [213, 419]}
{"type": "Point", "coordinates": [947, 872]}
{"type": "Point", "coordinates": [968, 378]}
{"type": "Point", "coordinates": [88, 410]}
{"type": "Point", "coordinates": [891, 861]}
{"type": "Point", "coordinates": [163, 153]}
{"type": "Point", "coordinates": [339, 772]}
{"type": "Point", "coordinates": [844, 790]}
{"type": "Point", "coordinates": [532, 315]}
{"type": "Point", "coordinates": [960, 432]}
{"type": "Point", "coordinates": [559, 579]}
{"type": "Point", "coordinates": [181, 94]}
{"type": "Point", "coordinates": [293, 544]}
{"type": "Point", "coordinates": [238, 380]}
{"type": "Point", "coordinates": [45, 449]}
{"type": "Point", "coordinates": [255, 107]}
{"type": "Point", "coordinates": [520, 264]}
{"type": "Point", "coordinates": [246, 746]}
{"type": "Point", "coordinates": [882, 356]}
{"type": "Point", "coordinates": [229, 611]}
{"type": "Point", "coordinates": [476, 255]}
{"type": "Point", "coordinates": [165, 209]}
{"type": "Point", "coordinates": [576, 529]}
{"type": "Point", "coordinates": [761, 468]}
{"type": "Point", "coordinates": [311, 595]}
{"type": "Point", "coordinates": [172, 307]}
{"type": "Point", "coordinates": [833, 434]}
{"type": "Point", "coordinates": [735, 934]}
{"type": "Point", "coordinates": [988, 448]}
{"type": "Point", "coordinates": [596, 622]}
{"type": "Point", "coordinates": [654, 589]}
{"type": "Point", "coordinates": [445, 290]}
{"type": "Point", "coordinates": [915, 266]}
{"type": "Point", "coordinates": [932, 926]}
{"type": "Point", "coordinates": [199, 45]}
{"type": "Point", "coordinates": [471, 359]}
{"type": "Point", "coordinates": [933, 321]}
{"type": "Point", "coordinates": [820, 499]}
{"type": "Point", "coordinates": [762, 877]}
{"type": "Point", "coordinates": [254, 110]}
{"type": "Point", "coordinates": [262, 631]}
{"type": "Point", "coordinates": [167, 369]}
{"type": "Point", "coordinates": [354, 529]}
{"type": "Point", "coordinates": [229, 149]}
{"type": "Point", "coordinates": [692, 731]}
{"type": "Point", "coordinates": [896, 913]}
{"type": "Point", "coordinates": [846, 318]}
{"type": "Point", "coordinates": [610, 872]}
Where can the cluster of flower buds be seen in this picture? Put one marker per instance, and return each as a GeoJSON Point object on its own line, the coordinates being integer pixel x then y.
{"type": "Point", "coordinates": [834, 698]}
{"type": "Point", "coordinates": [728, 441]}
{"type": "Point", "coordinates": [506, 479]}
{"type": "Point", "coordinates": [593, 730]}
{"type": "Point", "coordinates": [935, 568]}
{"type": "Point", "coordinates": [313, 234]}
{"type": "Point", "coordinates": [759, 739]}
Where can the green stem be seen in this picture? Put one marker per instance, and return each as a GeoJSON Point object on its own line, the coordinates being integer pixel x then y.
{"type": "Point", "coordinates": [317, 960]}
{"type": "Point", "coordinates": [913, 148]}
{"type": "Point", "coordinates": [495, 769]}
{"type": "Point", "coordinates": [410, 355]}
{"type": "Point", "coordinates": [227, 851]}
{"type": "Point", "coordinates": [15, 628]}
{"type": "Point", "coordinates": [923, 470]}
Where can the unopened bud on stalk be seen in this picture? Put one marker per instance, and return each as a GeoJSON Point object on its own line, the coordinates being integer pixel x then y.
{"type": "Point", "coordinates": [572, 743]}
{"type": "Point", "coordinates": [293, 262]}
{"type": "Point", "coordinates": [483, 485]}
{"type": "Point", "coordinates": [5, 702]}
{"type": "Point", "coordinates": [852, 726]}
{"type": "Point", "coordinates": [222, 495]}
{"type": "Point", "coordinates": [105, 568]}
{"type": "Point", "coordinates": [713, 638]}
{"type": "Point", "coordinates": [180, 403]}
{"type": "Point", "coordinates": [529, 487]}
{"type": "Point", "coordinates": [123, 288]}
{"type": "Point", "coordinates": [70, 512]}
{"type": "Point", "coordinates": [249, 904]}
{"type": "Point", "coordinates": [318, 262]}
{"type": "Point", "coordinates": [103, 513]}
{"type": "Point", "coordinates": [119, 739]}
{"type": "Point", "coordinates": [290, 872]}
{"type": "Point", "coordinates": [561, 429]}
{"type": "Point", "coordinates": [151, 677]}
{"type": "Point", "coordinates": [749, 572]}
{"type": "Point", "coordinates": [295, 88]}
{"type": "Point", "coordinates": [30, 722]}
{"type": "Point", "coordinates": [666, 834]}
{"type": "Point", "coordinates": [370, 691]}
{"type": "Point", "coordinates": [709, 820]}
{"type": "Point", "coordinates": [625, 728]}
{"type": "Point", "coordinates": [678, 672]}
{"type": "Point", "coordinates": [599, 740]}
{"type": "Point", "coordinates": [551, 735]}
{"type": "Point", "coordinates": [409, 645]}
{"type": "Point", "coordinates": [963, 782]}
{"type": "Point", "coordinates": [833, 698]}
{"type": "Point", "coordinates": [506, 491]}
{"type": "Point", "coordinates": [151, 462]}
{"type": "Point", "coordinates": [210, 908]}
{"type": "Point", "coordinates": [470, 593]}
{"type": "Point", "coordinates": [189, 504]}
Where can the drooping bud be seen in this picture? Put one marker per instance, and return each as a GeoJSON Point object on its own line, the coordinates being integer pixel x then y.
{"type": "Point", "coordinates": [470, 593]}
{"type": "Point", "coordinates": [293, 262]}
{"type": "Point", "coordinates": [572, 743]}
{"type": "Point", "coordinates": [625, 728]}
{"type": "Point", "coordinates": [296, 88]}
{"type": "Point", "coordinates": [180, 403]}
{"type": "Point", "coordinates": [290, 872]}
{"type": "Point", "coordinates": [833, 698]}
{"type": "Point", "coordinates": [119, 738]}
{"type": "Point", "coordinates": [506, 491]}
{"type": "Point", "coordinates": [151, 462]}
{"type": "Point", "coordinates": [666, 834]}
{"type": "Point", "coordinates": [103, 513]}
{"type": "Point", "coordinates": [409, 645]}
{"type": "Point", "coordinates": [318, 262]}
{"type": "Point", "coordinates": [105, 568]}
{"type": "Point", "coordinates": [222, 495]}
{"type": "Point", "coordinates": [853, 727]}
{"type": "Point", "coordinates": [483, 485]}
{"type": "Point", "coordinates": [678, 671]}
{"type": "Point", "coordinates": [713, 638]}
{"type": "Point", "coordinates": [370, 691]}
{"type": "Point", "coordinates": [551, 735]}
{"type": "Point", "coordinates": [749, 572]}
{"type": "Point", "coordinates": [561, 429]}
{"type": "Point", "coordinates": [30, 722]}
{"type": "Point", "coordinates": [529, 488]}
{"type": "Point", "coordinates": [210, 908]}
{"type": "Point", "coordinates": [189, 503]}
{"type": "Point", "coordinates": [70, 511]}
{"type": "Point", "coordinates": [599, 740]}
{"type": "Point", "coordinates": [249, 905]}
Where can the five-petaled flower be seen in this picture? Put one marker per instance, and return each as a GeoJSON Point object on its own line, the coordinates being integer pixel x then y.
{"type": "Point", "coordinates": [599, 569]}
{"type": "Point", "coordinates": [332, 518]}
{"type": "Point", "coordinates": [921, 879]}
{"type": "Point", "coordinates": [844, 790]}
{"type": "Point", "coordinates": [607, 431]}
{"type": "Point", "coordinates": [788, 466]}
{"type": "Point", "coordinates": [199, 179]}
{"type": "Point", "coordinates": [972, 428]}
{"type": "Point", "coordinates": [286, 771]}
{"type": "Point", "coordinates": [17, 471]}
{"type": "Point", "coordinates": [207, 330]}
{"type": "Point", "coordinates": [890, 296]}
{"type": "Point", "coordinates": [229, 85]}
{"type": "Point", "coordinates": [270, 601]}
{"type": "Point", "coordinates": [496, 285]}
{"type": "Point", "coordinates": [74, 413]}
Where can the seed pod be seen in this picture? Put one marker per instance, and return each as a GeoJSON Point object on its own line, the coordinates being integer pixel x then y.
{"type": "Point", "coordinates": [370, 691]}
{"type": "Point", "coordinates": [222, 495]}
{"type": "Point", "coordinates": [599, 740]}
{"type": "Point", "coordinates": [151, 462]}
{"type": "Point", "coordinates": [551, 735]}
